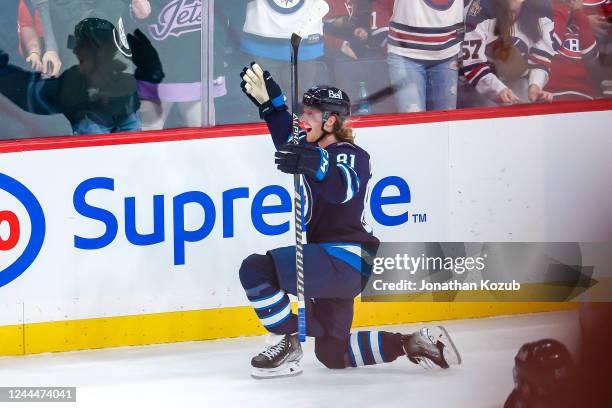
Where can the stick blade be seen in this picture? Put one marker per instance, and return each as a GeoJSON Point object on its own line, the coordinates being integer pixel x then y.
{"type": "Point", "coordinates": [316, 12]}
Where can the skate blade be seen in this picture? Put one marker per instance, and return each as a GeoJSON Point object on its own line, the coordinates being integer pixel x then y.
{"type": "Point", "coordinates": [285, 370]}
{"type": "Point", "coordinates": [451, 354]}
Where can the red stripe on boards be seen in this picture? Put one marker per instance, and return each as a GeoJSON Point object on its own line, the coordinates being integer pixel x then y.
{"type": "Point", "coordinates": [172, 135]}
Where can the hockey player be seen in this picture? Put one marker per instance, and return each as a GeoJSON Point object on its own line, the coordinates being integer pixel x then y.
{"type": "Point", "coordinates": [507, 51]}
{"type": "Point", "coordinates": [544, 376]}
{"type": "Point", "coordinates": [336, 173]}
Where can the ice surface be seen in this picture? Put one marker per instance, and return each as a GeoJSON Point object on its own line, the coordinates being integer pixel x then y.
{"type": "Point", "coordinates": [216, 373]}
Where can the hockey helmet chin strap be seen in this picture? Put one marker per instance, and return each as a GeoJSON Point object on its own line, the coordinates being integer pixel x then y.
{"type": "Point", "coordinates": [326, 115]}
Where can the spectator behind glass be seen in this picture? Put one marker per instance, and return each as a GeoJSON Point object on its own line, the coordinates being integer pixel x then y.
{"type": "Point", "coordinates": [96, 96]}
{"type": "Point", "coordinates": [570, 78]}
{"type": "Point", "coordinates": [357, 28]}
{"type": "Point", "coordinates": [599, 13]}
{"type": "Point", "coordinates": [174, 27]}
{"type": "Point", "coordinates": [32, 35]}
{"type": "Point", "coordinates": [265, 39]}
{"type": "Point", "coordinates": [356, 52]}
{"type": "Point", "coordinates": [344, 27]}
{"type": "Point", "coordinates": [66, 14]}
{"type": "Point", "coordinates": [380, 15]}
{"type": "Point", "coordinates": [600, 17]}
{"type": "Point", "coordinates": [424, 39]}
{"type": "Point", "coordinates": [507, 52]}
{"type": "Point", "coordinates": [9, 31]}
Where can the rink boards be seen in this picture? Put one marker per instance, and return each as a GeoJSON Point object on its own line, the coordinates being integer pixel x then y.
{"type": "Point", "coordinates": [137, 239]}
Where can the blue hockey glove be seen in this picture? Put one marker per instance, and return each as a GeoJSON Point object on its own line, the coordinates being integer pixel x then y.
{"type": "Point", "coordinates": [262, 90]}
{"type": "Point", "coordinates": [302, 159]}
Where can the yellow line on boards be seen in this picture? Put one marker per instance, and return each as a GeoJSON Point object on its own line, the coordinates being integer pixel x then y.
{"type": "Point", "coordinates": [208, 324]}
{"type": "Point", "coordinates": [11, 340]}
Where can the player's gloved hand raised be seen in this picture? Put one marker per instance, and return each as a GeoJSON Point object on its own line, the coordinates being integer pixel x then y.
{"type": "Point", "coordinates": [262, 90]}
{"type": "Point", "coordinates": [302, 159]}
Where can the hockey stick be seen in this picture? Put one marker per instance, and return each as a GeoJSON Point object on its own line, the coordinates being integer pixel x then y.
{"type": "Point", "coordinates": [315, 13]}
{"type": "Point", "coordinates": [375, 97]}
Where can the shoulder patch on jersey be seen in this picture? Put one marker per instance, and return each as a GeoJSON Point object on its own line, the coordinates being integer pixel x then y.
{"type": "Point", "coordinates": [479, 11]}
{"type": "Point", "coordinates": [475, 8]}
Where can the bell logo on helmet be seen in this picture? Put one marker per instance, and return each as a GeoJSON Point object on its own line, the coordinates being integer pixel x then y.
{"type": "Point", "coordinates": [335, 95]}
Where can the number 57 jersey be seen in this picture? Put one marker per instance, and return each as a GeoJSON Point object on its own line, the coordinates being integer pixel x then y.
{"type": "Point", "coordinates": [482, 40]}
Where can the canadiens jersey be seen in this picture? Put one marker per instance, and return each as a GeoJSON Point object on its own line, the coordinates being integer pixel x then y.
{"type": "Point", "coordinates": [333, 208]}
{"type": "Point", "coordinates": [380, 15]}
{"type": "Point", "coordinates": [339, 10]}
{"type": "Point", "coordinates": [575, 44]}
{"type": "Point", "coordinates": [481, 41]}
{"type": "Point", "coordinates": [426, 29]}
{"type": "Point", "coordinates": [373, 15]}
{"type": "Point", "coordinates": [268, 27]}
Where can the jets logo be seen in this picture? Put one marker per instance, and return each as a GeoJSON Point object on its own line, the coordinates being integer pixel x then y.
{"type": "Point", "coordinates": [285, 3]}
{"type": "Point", "coordinates": [286, 6]}
{"type": "Point", "coordinates": [440, 4]}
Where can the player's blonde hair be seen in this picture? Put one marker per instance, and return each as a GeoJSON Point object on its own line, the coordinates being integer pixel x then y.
{"type": "Point", "coordinates": [342, 131]}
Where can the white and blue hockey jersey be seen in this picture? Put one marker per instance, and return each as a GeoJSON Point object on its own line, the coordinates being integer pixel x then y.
{"type": "Point", "coordinates": [269, 25]}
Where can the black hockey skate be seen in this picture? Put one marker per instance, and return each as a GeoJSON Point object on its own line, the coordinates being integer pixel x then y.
{"type": "Point", "coordinates": [280, 359]}
{"type": "Point", "coordinates": [430, 347]}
